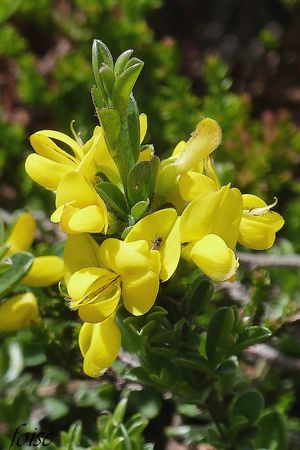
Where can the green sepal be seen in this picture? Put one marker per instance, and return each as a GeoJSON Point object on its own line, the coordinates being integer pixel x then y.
{"type": "Point", "coordinates": [141, 180]}
{"type": "Point", "coordinates": [100, 55]}
{"type": "Point", "coordinates": [21, 263]}
{"type": "Point", "coordinates": [124, 85]}
{"type": "Point", "coordinates": [122, 61]}
{"type": "Point", "coordinates": [219, 335]}
{"type": "Point", "coordinates": [110, 121]}
{"type": "Point", "coordinates": [139, 209]}
{"type": "Point", "coordinates": [112, 195]}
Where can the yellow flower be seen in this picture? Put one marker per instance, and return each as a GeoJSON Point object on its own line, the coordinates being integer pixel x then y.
{"type": "Point", "coordinates": [18, 312]}
{"type": "Point", "coordinates": [161, 231]}
{"type": "Point", "coordinates": [51, 163]}
{"type": "Point", "coordinates": [99, 344]}
{"type": "Point", "coordinates": [258, 225]}
{"type": "Point", "coordinates": [96, 276]}
{"type": "Point", "coordinates": [45, 270]}
{"type": "Point", "coordinates": [79, 208]}
{"type": "Point", "coordinates": [188, 156]}
{"type": "Point", "coordinates": [210, 225]}
{"type": "Point", "coordinates": [204, 140]}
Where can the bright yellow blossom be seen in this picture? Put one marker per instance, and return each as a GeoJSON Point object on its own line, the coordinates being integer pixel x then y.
{"type": "Point", "coordinates": [99, 344]}
{"type": "Point", "coordinates": [161, 231]}
{"type": "Point", "coordinates": [45, 270]}
{"type": "Point", "coordinates": [98, 276]}
{"type": "Point", "coordinates": [258, 225]}
{"type": "Point", "coordinates": [18, 312]}
{"type": "Point", "coordinates": [210, 225]}
{"type": "Point", "coordinates": [79, 208]}
{"type": "Point", "coordinates": [51, 163]}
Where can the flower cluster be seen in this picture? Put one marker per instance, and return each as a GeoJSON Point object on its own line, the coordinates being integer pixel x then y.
{"type": "Point", "coordinates": [130, 217]}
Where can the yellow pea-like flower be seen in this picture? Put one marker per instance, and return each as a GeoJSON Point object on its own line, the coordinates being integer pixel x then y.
{"type": "Point", "coordinates": [203, 141]}
{"type": "Point", "coordinates": [51, 163]}
{"type": "Point", "coordinates": [210, 225]}
{"type": "Point", "coordinates": [18, 312]}
{"type": "Point", "coordinates": [97, 277]}
{"type": "Point", "coordinates": [21, 235]}
{"type": "Point", "coordinates": [258, 225]}
{"type": "Point", "coordinates": [79, 208]}
{"type": "Point", "coordinates": [99, 344]}
{"type": "Point", "coordinates": [45, 270]}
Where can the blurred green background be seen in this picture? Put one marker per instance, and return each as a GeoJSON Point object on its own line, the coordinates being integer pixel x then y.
{"type": "Point", "coordinates": [236, 61]}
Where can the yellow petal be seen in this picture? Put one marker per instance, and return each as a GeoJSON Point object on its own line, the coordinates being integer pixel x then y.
{"type": "Point", "coordinates": [160, 227]}
{"type": "Point", "coordinates": [167, 177]}
{"type": "Point", "coordinates": [157, 224]}
{"type": "Point", "coordinates": [170, 253]}
{"type": "Point", "coordinates": [76, 189]}
{"type": "Point", "coordinates": [139, 294]}
{"type": "Point", "coordinates": [18, 312]}
{"type": "Point", "coordinates": [45, 172]}
{"type": "Point", "coordinates": [147, 154]}
{"type": "Point", "coordinates": [45, 270]}
{"type": "Point", "coordinates": [22, 234]}
{"type": "Point", "coordinates": [80, 251]}
{"type": "Point", "coordinates": [82, 282]}
{"type": "Point", "coordinates": [214, 258]}
{"type": "Point", "coordinates": [123, 258]}
{"type": "Point", "coordinates": [97, 312]}
{"type": "Point", "coordinates": [252, 201]}
{"type": "Point", "coordinates": [179, 148]}
{"type": "Point", "coordinates": [192, 184]}
{"type": "Point", "coordinates": [204, 140]}
{"type": "Point", "coordinates": [87, 165]}
{"type": "Point", "coordinates": [90, 219]}
{"type": "Point", "coordinates": [75, 147]}
{"type": "Point", "coordinates": [99, 344]}
{"type": "Point", "coordinates": [259, 233]}
{"type": "Point", "coordinates": [44, 146]}
{"type": "Point", "coordinates": [213, 213]}
{"type": "Point", "coordinates": [143, 126]}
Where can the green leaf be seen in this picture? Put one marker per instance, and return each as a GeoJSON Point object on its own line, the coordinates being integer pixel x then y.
{"type": "Point", "coordinates": [124, 85]}
{"type": "Point", "coordinates": [122, 61]}
{"type": "Point", "coordinates": [110, 121]}
{"type": "Point", "coordinates": [273, 432]}
{"type": "Point", "coordinates": [194, 362]}
{"type": "Point", "coordinates": [139, 209]}
{"type": "Point", "coordinates": [108, 78]}
{"type": "Point", "coordinates": [251, 336]}
{"type": "Point", "coordinates": [201, 293]}
{"type": "Point", "coordinates": [21, 263]}
{"type": "Point", "coordinates": [141, 180]}
{"type": "Point", "coordinates": [112, 195]}
{"type": "Point", "coordinates": [119, 412]}
{"type": "Point", "coordinates": [249, 405]}
{"type": "Point", "coordinates": [219, 334]}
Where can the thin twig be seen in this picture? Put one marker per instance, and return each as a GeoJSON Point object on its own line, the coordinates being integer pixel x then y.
{"type": "Point", "coordinates": [262, 260]}
{"type": "Point", "coordinates": [274, 356]}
